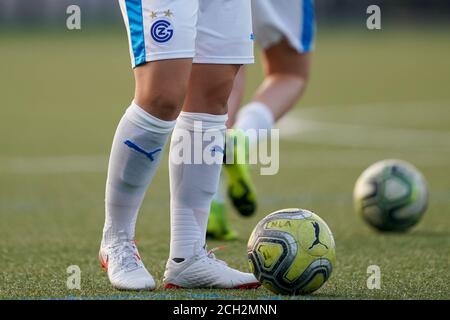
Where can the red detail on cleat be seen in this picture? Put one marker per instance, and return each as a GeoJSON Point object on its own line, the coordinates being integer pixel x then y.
{"type": "Point", "coordinates": [103, 262]}
{"type": "Point", "coordinates": [172, 286]}
{"type": "Point", "coordinates": [217, 249]}
{"type": "Point", "coordinates": [254, 285]}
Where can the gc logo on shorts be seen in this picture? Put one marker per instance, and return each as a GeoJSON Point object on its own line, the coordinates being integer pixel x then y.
{"type": "Point", "coordinates": [161, 31]}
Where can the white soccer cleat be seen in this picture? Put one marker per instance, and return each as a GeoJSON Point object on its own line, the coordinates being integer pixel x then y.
{"type": "Point", "coordinates": [204, 270]}
{"type": "Point", "coordinates": [124, 266]}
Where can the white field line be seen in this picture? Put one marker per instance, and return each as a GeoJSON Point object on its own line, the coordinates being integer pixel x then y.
{"type": "Point", "coordinates": [296, 127]}
{"type": "Point", "coordinates": [444, 104]}
{"type": "Point", "coordinates": [430, 147]}
{"type": "Point", "coordinates": [316, 132]}
{"type": "Point", "coordinates": [98, 164]}
{"type": "Point", "coordinates": [353, 159]}
{"type": "Point", "coordinates": [53, 164]}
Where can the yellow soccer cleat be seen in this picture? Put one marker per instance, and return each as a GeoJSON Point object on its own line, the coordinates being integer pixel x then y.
{"type": "Point", "coordinates": [218, 226]}
{"type": "Point", "coordinates": [240, 186]}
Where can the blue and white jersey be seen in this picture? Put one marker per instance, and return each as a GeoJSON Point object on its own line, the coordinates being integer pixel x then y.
{"type": "Point", "coordinates": [292, 19]}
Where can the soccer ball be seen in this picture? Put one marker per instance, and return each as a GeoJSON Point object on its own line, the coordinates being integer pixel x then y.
{"type": "Point", "coordinates": [291, 252]}
{"type": "Point", "coordinates": [391, 195]}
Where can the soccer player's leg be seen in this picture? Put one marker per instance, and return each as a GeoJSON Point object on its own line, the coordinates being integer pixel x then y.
{"type": "Point", "coordinates": [193, 183]}
{"type": "Point", "coordinates": [287, 75]}
{"type": "Point", "coordinates": [219, 227]}
{"type": "Point", "coordinates": [241, 190]}
{"type": "Point", "coordinates": [286, 33]}
{"type": "Point", "coordinates": [161, 77]}
{"type": "Point", "coordinates": [221, 49]}
{"type": "Point", "coordinates": [137, 148]}
{"type": "Point", "coordinates": [286, 61]}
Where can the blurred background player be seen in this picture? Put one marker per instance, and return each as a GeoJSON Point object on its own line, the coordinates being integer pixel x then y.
{"type": "Point", "coordinates": [185, 58]}
{"type": "Point", "coordinates": [285, 30]}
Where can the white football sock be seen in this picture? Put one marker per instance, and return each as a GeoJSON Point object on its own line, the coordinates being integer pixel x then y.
{"type": "Point", "coordinates": [256, 116]}
{"type": "Point", "coordinates": [135, 155]}
{"type": "Point", "coordinates": [221, 194]}
{"type": "Point", "coordinates": [192, 186]}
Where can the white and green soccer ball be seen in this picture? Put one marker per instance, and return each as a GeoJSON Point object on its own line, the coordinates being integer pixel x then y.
{"type": "Point", "coordinates": [292, 252]}
{"type": "Point", "coordinates": [391, 195]}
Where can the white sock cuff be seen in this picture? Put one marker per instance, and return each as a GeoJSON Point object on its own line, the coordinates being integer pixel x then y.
{"type": "Point", "coordinates": [146, 121]}
{"type": "Point", "coordinates": [255, 110]}
{"type": "Point", "coordinates": [191, 120]}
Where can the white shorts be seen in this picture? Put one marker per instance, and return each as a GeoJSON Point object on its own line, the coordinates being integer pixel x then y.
{"type": "Point", "coordinates": [294, 20]}
{"type": "Point", "coordinates": [209, 31]}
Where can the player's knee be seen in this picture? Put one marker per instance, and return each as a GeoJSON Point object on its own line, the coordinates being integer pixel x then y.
{"type": "Point", "coordinates": [169, 100]}
{"type": "Point", "coordinates": [216, 94]}
{"type": "Point", "coordinates": [284, 59]}
{"type": "Point", "coordinates": [303, 74]}
{"type": "Point", "coordinates": [165, 103]}
{"type": "Point", "coordinates": [161, 87]}
{"type": "Point", "coordinates": [295, 75]}
{"type": "Point", "coordinates": [299, 81]}
{"type": "Point", "coordinates": [293, 84]}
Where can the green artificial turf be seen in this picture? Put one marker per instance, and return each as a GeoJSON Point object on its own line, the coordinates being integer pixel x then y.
{"type": "Point", "coordinates": [373, 95]}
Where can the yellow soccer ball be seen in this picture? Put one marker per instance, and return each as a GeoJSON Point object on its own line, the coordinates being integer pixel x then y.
{"type": "Point", "coordinates": [292, 252]}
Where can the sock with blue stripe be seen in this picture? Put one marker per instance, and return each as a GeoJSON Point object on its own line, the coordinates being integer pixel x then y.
{"type": "Point", "coordinates": [194, 181]}
{"type": "Point", "coordinates": [135, 155]}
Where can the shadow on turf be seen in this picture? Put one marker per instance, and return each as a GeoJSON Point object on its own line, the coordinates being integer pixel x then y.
{"type": "Point", "coordinates": [190, 296]}
{"type": "Point", "coordinates": [429, 234]}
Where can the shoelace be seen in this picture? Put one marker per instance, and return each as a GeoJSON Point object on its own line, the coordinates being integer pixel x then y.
{"type": "Point", "coordinates": [210, 254]}
{"type": "Point", "coordinates": [126, 255]}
